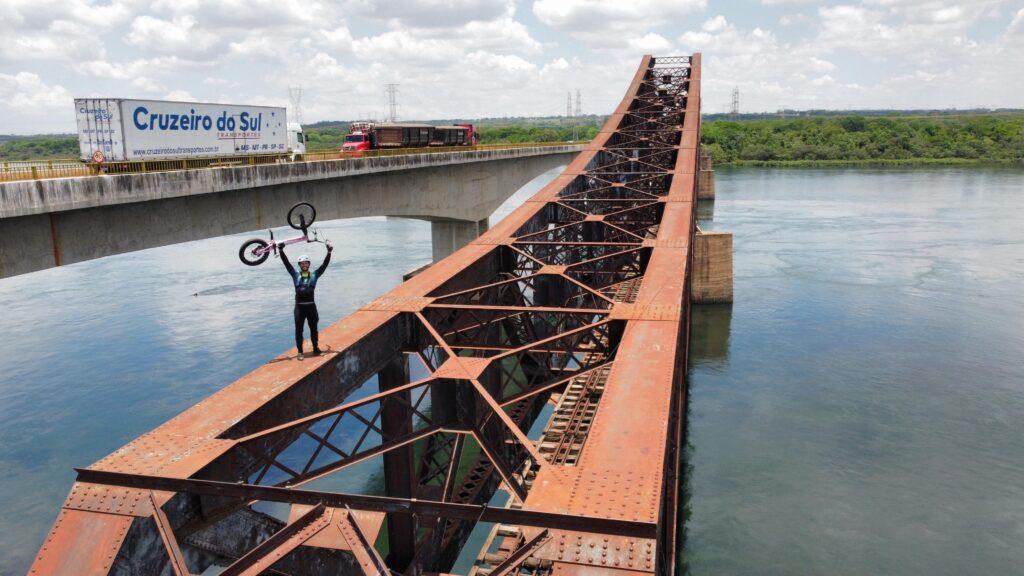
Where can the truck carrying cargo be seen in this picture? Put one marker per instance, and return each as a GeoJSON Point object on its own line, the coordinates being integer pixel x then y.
{"type": "Point", "coordinates": [364, 136]}
{"type": "Point", "coordinates": [124, 130]}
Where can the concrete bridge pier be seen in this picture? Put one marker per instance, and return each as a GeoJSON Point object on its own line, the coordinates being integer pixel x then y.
{"type": "Point", "coordinates": [712, 268]}
{"type": "Point", "coordinates": [705, 178]}
{"type": "Point", "coordinates": [447, 236]}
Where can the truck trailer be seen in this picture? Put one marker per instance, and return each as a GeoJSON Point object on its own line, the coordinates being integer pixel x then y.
{"type": "Point", "coordinates": [125, 130]}
{"type": "Point", "coordinates": [364, 136]}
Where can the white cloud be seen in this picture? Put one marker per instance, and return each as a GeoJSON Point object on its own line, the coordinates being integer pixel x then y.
{"type": "Point", "coordinates": [651, 43]}
{"type": "Point", "coordinates": [825, 80]}
{"type": "Point", "coordinates": [720, 37]}
{"type": "Point", "coordinates": [60, 40]}
{"type": "Point", "coordinates": [402, 45]}
{"type": "Point", "coordinates": [146, 84]}
{"type": "Point", "coordinates": [176, 36]}
{"type": "Point", "coordinates": [34, 107]}
{"type": "Point", "coordinates": [431, 13]}
{"type": "Point", "coordinates": [716, 24]}
{"type": "Point", "coordinates": [1017, 24]}
{"type": "Point", "coordinates": [556, 65]}
{"type": "Point", "coordinates": [505, 57]}
{"type": "Point", "coordinates": [609, 24]}
{"type": "Point", "coordinates": [180, 95]}
{"type": "Point", "coordinates": [26, 91]}
{"type": "Point", "coordinates": [337, 39]}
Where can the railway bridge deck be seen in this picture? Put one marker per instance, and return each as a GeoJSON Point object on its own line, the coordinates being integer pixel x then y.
{"type": "Point", "coordinates": [570, 316]}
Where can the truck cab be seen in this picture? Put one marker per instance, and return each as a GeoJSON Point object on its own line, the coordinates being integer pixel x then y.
{"type": "Point", "coordinates": [296, 141]}
{"type": "Point", "coordinates": [357, 142]}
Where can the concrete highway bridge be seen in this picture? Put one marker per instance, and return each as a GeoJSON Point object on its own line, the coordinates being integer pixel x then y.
{"type": "Point", "coordinates": [58, 221]}
{"type": "Point", "coordinates": [544, 361]}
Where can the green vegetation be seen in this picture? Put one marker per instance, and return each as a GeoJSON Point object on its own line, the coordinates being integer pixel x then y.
{"type": "Point", "coordinates": [39, 148]}
{"type": "Point", "coordinates": [859, 139]}
{"type": "Point", "coordinates": [824, 138]}
{"type": "Point", "coordinates": [517, 135]}
{"type": "Point", "coordinates": [325, 138]}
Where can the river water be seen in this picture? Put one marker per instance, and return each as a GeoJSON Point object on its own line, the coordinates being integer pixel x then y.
{"type": "Point", "coordinates": [860, 409]}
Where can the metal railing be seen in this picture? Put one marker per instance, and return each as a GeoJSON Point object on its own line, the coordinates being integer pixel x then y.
{"type": "Point", "coordinates": [68, 168]}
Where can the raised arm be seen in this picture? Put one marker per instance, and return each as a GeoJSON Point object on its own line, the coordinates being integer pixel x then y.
{"type": "Point", "coordinates": [327, 260]}
{"type": "Point", "coordinates": [284, 258]}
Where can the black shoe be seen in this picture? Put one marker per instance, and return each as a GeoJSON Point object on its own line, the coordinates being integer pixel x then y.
{"type": "Point", "coordinates": [317, 352]}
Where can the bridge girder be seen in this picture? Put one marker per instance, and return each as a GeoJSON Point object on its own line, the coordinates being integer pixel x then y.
{"type": "Point", "coordinates": [579, 299]}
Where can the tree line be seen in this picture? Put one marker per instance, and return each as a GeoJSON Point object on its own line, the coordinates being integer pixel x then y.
{"type": "Point", "coordinates": [822, 139]}
{"type": "Point", "coordinates": [866, 139]}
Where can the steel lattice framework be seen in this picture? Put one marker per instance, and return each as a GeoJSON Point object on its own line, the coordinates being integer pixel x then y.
{"type": "Point", "coordinates": [571, 314]}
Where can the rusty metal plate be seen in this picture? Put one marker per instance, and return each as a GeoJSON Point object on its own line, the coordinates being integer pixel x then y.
{"type": "Point", "coordinates": [624, 311]}
{"type": "Point", "coordinates": [462, 368]}
{"type": "Point", "coordinates": [109, 500]}
{"type": "Point", "coordinates": [611, 552]}
{"type": "Point", "coordinates": [81, 543]}
{"type": "Point", "coordinates": [399, 303]}
{"type": "Point", "coordinates": [552, 269]}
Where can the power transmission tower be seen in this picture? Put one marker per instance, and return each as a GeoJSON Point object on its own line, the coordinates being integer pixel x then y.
{"type": "Point", "coordinates": [735, 111]}
{"type": "Point", "coordinates": [295, 95]}
{"type": "Point", "coordinates": [576, 121]}
{"type": "Point", "coordinates": [568, 105]}
{"type": "Point", "coordinates": [392, 91]}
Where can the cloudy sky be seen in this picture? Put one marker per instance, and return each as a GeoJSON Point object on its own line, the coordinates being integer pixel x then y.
{"type": "Point", "coordinates": [486, 58]}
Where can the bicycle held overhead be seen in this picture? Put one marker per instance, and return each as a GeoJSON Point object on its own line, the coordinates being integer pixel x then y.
{"type": "Point", "coordinates": [301, 216]}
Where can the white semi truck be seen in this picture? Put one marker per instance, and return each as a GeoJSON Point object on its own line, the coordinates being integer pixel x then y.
{"type": "Point", "coordinates": [124, 130]}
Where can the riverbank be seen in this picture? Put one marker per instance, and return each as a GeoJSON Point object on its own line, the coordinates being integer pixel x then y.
{"type": "Point", "coordinates": [871, 162]}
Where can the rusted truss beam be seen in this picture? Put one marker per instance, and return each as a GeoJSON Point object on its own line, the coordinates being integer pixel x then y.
{"type": "Point", "coordinates": [426, 508]}
{"type": "Point", "coordinates": [581, 293]}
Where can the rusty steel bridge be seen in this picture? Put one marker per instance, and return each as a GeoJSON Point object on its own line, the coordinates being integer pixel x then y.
{"type": "Point", "coordinates": [569, 318]}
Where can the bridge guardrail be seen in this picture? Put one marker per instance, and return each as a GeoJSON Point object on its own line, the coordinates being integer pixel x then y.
{"type": "Point", "coordinates": [69, 168]}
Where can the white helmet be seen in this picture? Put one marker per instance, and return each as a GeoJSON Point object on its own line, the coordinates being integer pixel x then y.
{"type": "Point", "coordinates": [303, 258]}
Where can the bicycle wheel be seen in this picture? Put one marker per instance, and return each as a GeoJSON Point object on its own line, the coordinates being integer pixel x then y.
{"type": "Point", "coordinates": [301, 216]}
{"type": "Point", "coordinates": [254, 252]}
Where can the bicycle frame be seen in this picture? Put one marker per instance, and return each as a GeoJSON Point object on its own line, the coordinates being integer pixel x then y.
{"type": "Point", "coordinates": [274, 244]}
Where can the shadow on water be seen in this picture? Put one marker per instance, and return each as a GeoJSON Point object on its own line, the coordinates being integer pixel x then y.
{"type": "Point", "coordinates": [710, 328]}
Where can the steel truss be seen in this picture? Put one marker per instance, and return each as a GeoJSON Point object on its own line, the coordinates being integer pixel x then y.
{"type": "Point", "coordinates": [578, 299]}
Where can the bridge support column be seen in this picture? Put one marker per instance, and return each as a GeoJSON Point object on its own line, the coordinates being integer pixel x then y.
{"type": "Point", "coordinates": [399, 478]}
{"type": "Point", "coordinates": [712, 268]}
{"type": "Point", "coordinates": [705, 178]}
{"type": "Point", "coordinates": [450, 235]}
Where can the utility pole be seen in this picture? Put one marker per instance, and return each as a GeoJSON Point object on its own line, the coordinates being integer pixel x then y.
{"type": "Point", "coordinates": [295, 95]}
{"type": "Point", "coordinates": [392, 92]}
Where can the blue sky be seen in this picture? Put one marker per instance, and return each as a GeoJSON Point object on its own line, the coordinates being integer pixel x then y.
{"type": "Point", "coordinates": [487, 58]}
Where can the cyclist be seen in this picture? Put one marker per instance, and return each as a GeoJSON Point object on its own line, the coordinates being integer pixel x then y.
{"type": "Point", "coordinates": [305, 307]}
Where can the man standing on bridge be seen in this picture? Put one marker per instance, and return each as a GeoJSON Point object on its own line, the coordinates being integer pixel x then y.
{"type": "Point", "coordinates": [305, 306]}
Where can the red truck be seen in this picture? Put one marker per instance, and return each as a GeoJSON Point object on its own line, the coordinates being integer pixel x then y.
{"type": "Point", "coordinates": [370, 136]}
